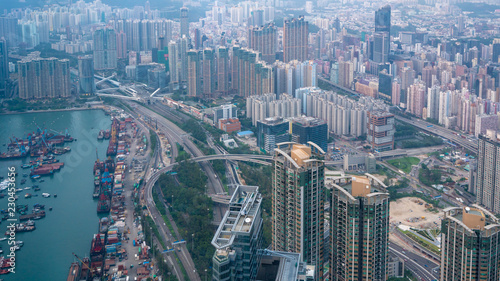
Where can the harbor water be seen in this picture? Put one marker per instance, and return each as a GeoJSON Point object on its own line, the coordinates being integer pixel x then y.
{"type": "Point", "coordinates": [69, 227]}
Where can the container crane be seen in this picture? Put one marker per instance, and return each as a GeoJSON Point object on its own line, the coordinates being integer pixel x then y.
{"type": "Point", "coordinates": [81, 261]}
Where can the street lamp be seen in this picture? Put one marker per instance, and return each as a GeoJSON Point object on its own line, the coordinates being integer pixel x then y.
{"type": "Point", "coordinates": [151, 233]}
{"type": "Point", "coordinates": [206, 274]}
{"type": "Point", "coordinates": [192, 242]}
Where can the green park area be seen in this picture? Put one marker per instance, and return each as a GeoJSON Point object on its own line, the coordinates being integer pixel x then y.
{"type": "Point", "coordinates": [404, 164]}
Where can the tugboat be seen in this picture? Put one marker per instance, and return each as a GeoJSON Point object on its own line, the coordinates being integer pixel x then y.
{"type": "Point", "coordinates": [101, 135]}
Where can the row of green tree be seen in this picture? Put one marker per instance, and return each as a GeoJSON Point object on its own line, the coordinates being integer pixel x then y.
{"type": "Point", "coordinates": [191, 126]}
{"type": "Point", "coordinates": [423, 141]}
{"type": "Point", "coordinates": [261, 176]}
{"type": "Point", "coordinates": [428, 176]}
{"type": "Point", "coordinates": [191, 210]}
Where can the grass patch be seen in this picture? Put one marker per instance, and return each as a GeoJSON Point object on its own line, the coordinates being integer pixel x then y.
{"type": "Point", "coordinates": [433, 248]}
{"type": "Point", "coordinates": [161, 208]}
{"type": "Point", "coordinates": [151, 224]}
{"type": "Point", "coordinates": [170, 227]}
{"type": "Point", "coordinates": [153, 141]}
{"type": "Point", "coordinates": [404, 164]}
{"type": "Point", "coordinates": [182, 267]}
{"type": "Point", "coordinates": [435, 232]}
{"type": "Point", "coordinates": [423, 233]}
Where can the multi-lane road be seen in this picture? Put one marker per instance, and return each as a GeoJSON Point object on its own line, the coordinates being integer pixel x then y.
{"type": "Point", "coordinates": [454, 137]}
{"type": "Point", "coordinates": [421, 267]}
{"type": "Point", "coordinates": [175, 135]}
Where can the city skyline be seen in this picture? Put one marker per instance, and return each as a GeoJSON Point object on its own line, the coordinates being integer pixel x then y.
{"type": "Point", "coordinates": [256, 140]}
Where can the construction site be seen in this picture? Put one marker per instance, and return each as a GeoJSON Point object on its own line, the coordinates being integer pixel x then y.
{"type": "Point", "coordinates": [414, 212]}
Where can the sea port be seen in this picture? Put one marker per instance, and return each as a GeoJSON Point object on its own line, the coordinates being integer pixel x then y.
{"type": "Point", "coordinates": [118, 245]}
{"type": "Point", "coordinates": [56, 235]}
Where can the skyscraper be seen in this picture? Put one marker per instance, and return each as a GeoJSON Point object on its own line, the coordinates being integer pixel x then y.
{"type": "Point", "coordinates": [359, 232]}
{"type": "Point", "coordinates": [383, 19]}
{"type": "Point", "coordinates": [184, 22]}
{"type": "Point", "coordinates": [496, 53]}
{"type": "Point", "coordinates": [381, 47]}
{"type": "Point", "coordinates": [488, 171]}
{"type": "Point", "coordinates": [298, 202]}
{"type": "Point", "coordinates": [4, 67]}
{"type": "Point", "coordinates": [86, 84]}
{"type": "Point", "coordinates": [416, 99]}
{"type": "Point", "coordinates": [222, 70]}
{"type": "Point", "coordinates": [433, 103]}
{"type": "Point", "coordinates": [380, 130]}
{"type": "Point", "coordinates": [235, 50]}
{"type": "Point", "coordinates": [173, 61]}
{"type": "Point", "coordinates": [295, 39]}
{"type": "Point", "coordinates": [43, 78]}
{"type": "Point", "coordinates": [470, 243]}
{"type": "Point", "coordinates": [238, 237]}
{"type": "Point", "coordinates": [194, 73]}
{"type": "Point", "coordinates": [209, 74]}
{"type": "Point", "coordinates": [121, 45]}
{"type": "Point", "coordinates": [264, 40]}
{"type": "Point", "coordinates": [272, 131]}
{"type": "Point", "coordinates": [105, 49]}
{"type": "Point", "coordinates": [184, 58]}
{"type": "Point", "coordinates": [385, 85]}
{"type": "Point", "coordinates": [310, 129]}
{"type": "Point", "coordinates": [346, 74]}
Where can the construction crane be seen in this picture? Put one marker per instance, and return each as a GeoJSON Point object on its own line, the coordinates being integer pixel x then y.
{"type": "Point", "coordinates": [81, 261]}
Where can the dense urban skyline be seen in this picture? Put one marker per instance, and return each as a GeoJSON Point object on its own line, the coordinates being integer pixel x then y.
{"type": "Point", "coordinates": [373, 128]}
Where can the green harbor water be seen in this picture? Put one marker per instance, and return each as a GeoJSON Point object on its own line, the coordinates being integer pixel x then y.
{"type": "Point", "coordinates": [69, 227]}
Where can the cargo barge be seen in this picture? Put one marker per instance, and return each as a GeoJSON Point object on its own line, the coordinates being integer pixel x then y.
{"type": "Point", "coordinates": [34, 216]}
{"type": "Point", "coordinates": [37, 144]}
{"type": "Point", "coordinates": [46, 169]}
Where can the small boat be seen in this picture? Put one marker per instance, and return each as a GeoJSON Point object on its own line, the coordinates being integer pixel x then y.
{"type": "Point", "coordinates": [19, 190]}
{"type": "Point", "coordinates": [3, 238]}
{"type": "Point", "coordinates": [39, 206]}
{"type": "Point", "coordinates": [42, 180]}
{"type": "Point", "coordinates": [46, 195]}
{"type": "Point", "coordinates": [27, 195]}
{"type": "Point", "coordinates": [50, 209]}
{"type": "Point", "coordinates": [55, 195]}
{"type": "Point", "coordinates": [28, 187]}
{"type": "Point", "coordinates": [35, 177]}
{"type": "Point", "coordinates": [26, 166]}
{"type": "Point", "coordinates": [37, 188]}
{"type": "Point", "coordinates": [23, 181]}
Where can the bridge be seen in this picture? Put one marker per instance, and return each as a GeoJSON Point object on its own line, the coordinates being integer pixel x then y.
{"type": "Point", "coordinates": [99, 93]}
{"type": "Point", "coordinates": [108, 79]}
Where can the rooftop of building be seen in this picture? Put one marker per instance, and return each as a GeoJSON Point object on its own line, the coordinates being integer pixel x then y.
{"type": "Point", "coordinates": [239, 219]}
{"type": "Point", "coordinates": [282, 266]}
{"type": "Point", "coordinates": [358, 186]}
{"type": "Point", "coordinates": [273, 120]}
{"type": "Point", "coordinates": [491, 135]}
{"type": "Point", "coordinates": [474, 218]}
{"type": "Point", "coordinates": [229, 121]}
{"type": "Point", "coordinates": [381, 113]}
{"type": "Point", "coordinates": [308, 121]}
